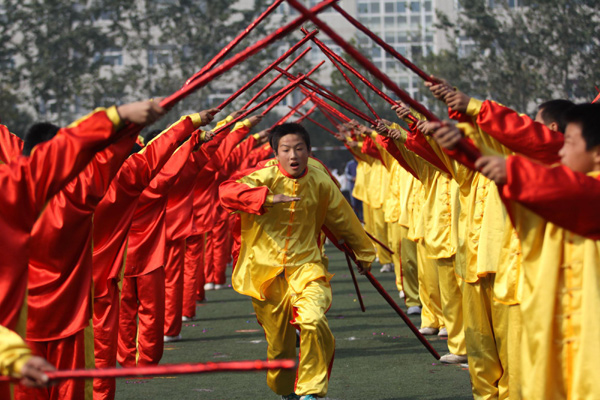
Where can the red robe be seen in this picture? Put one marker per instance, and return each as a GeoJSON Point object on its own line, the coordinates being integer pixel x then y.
{"type": "Point", "coordinates": [60, 262]}
{"type": "Point", "coordinates": [28, 183]}
{"type": "Point", "coordinates": [11, 146]}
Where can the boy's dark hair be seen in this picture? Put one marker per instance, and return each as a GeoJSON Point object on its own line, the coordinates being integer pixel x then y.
{"type": "Point", "coordinates": [289, 128]}
{"type": "Point", "coordinates": [148, 136]}
{"type": "Point", "coordinates": [38, 133]}
{"type": "Point", "coordinates": [554, 111]}
{"type": "Point", "coordinates": [588, 117]}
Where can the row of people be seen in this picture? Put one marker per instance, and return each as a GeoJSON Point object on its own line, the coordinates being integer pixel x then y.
{"type": "Point", "coordinates": [500, 253]}
{"type": "Point", "coordinates": [97, 262]}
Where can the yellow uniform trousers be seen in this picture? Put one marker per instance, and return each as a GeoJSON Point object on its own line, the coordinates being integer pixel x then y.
{"type": "Point", "coordinates": [515, 329]}
{"type": "Point", "coordinates": [486, 332]}
{"type": "Point", "coordinates": [452, 307]}
{"type": "Point", "coordinates": [280, 314]}
{"type": "Point", "coordinates": [429, 290]}
{"type": "Point", "coordinates": [394, 245]}
{"type": "Point", "coordinates": [410, 273]}
{"type": "Point", "coordinates": [380, 232]}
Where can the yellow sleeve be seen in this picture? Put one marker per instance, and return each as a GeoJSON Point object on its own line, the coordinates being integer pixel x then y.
{"type": "Point", "coordinates": [225, 121]}
{"type": "Point", "coordinates": [14, 353]}
{"type": "Point", "coordinates": [343, 223]}
{"type": "Point", "coordinates": [111, 113]}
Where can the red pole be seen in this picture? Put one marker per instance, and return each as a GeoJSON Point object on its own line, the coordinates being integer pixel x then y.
{"type": "Point", "coordinates": [332, 110]}
{"type": "Point", "coordinates": [360, 300]}
{"type": "Point", "coordinates": [349, 81]}
{"type": "Point", "coordinates": [373, 238]}
{"type": "Point", "coordinates": [305, 116]}
{"type": "Point", "coordinates": [309, 112]}
{"type": "Point", "coordinates": [402, 315]}
{"type": "Point", "coordinates": [331, 54]}
{"type": "Point", "coordinates": [389, 49]}
{"type": "Point", "coordinates": [261, 91]}
{"type": "Point", "coordinates": [333, 98]}
{"type": "Point", "coordinates": [464, 146]}
{"type": "Point", "coordinates": [238, 58]}
{"type": "Point", "coordinates": [274, 96]}
{"type": "Point", "coordinates": [349, 253]}
{"type": "Point", "coordinates": [282, 96]}
{"type": "Point", "coordinates": [234, 42]}
{"type": "Point", "coordinates": [293, 110]}
{"type": "Point", "coordinates": [167, 369]}
{"type": "Point", "coordinates": [252, 81]}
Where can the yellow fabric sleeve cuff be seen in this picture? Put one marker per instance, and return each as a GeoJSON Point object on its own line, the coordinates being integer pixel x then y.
{"type": "Point", "coordinates": [374, 134]}
{"type": "Point", "coordinates": [196, 119]}
{"type": "Point", "coordinates": [269, 199]}
{"type": "Point", "coordinates": [467, 129]}
{"type": "Point", "coordinates": [115, 118]}
{"type": "Point", "coordinates": [474, 107]}
{"type": "Point", "coordinates": [415, 114]}
{"type": "Point", "coordinates": [256, 136]}
{"type": "Point", "coordinates": [239, 125]}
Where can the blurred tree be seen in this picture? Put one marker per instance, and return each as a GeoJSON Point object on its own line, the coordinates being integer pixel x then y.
{"type": "Point", "coordinates": [522, 56]}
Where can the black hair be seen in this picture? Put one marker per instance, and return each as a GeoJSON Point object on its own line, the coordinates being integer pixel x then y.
{"type": "Point", "coordinates": [554, 111]}
{"type": "Point", "coordinates": [289, 128]}
{"type": "Point", "coordinates": [148, 136]}
{"type": "Point", "coordinates": [38, 133]}
{"type": "Point", "coordinates": [587, 115]}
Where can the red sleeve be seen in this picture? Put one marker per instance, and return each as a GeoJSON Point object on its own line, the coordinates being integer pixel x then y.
{"type": "Point", "coordinates": [520, 133]}
{"type": "Point", "coordinates": [461, 156]}
{"type": "Point", "coordinates": [237, 196]}
{"type": "Point", "coordinates": [369, 148]}
{"type": "Point", "coordinates": [11, 146]}
{"type": "Point", "coordinates": [238, 155]}
{"type": "Point", "coordinates": [256, 155]}
{"type": "Point", "coordinates": [417, 143]}
{"type": "Point", "coordinates": [56, 162]}
{"type": "Point", "coordinates": [104, 166]}
{"type": "Point", "coordinates": [458, 116]}
{"type": "Point", "coordinates": [169, 174]}
{"type": "Point", "coordinates": [566, 198]}
{"type": "Point", "coordinates": [389, 145]}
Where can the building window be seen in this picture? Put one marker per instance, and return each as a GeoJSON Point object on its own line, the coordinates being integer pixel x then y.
{"type": "Point", "coordinates": [401, 6]}
{"type": "Point", "coordinates": [415, 6]}
{"type": "Point", "coordinates": [389, 7]}
{"type": "Point", "coordinates": [375, 8]}
{"type": "Point", "coordinates": [363, 8]}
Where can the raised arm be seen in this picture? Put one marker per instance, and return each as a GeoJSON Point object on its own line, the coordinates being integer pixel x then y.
{"type": "Point", "coordinates": [11, 146]}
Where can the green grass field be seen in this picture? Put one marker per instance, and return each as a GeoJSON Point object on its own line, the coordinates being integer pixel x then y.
{"type": "Point", "coordinates": [376, 356]}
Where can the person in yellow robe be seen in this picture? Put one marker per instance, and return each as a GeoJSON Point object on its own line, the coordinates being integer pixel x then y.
{"type": "Point", "coordinates": [283, 208]}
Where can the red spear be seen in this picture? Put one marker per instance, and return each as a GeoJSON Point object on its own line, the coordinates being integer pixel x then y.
{"type": "Point", "coordinates": [168, 369]}
{"type": "Point", "coordinates": [331, 54]}
{"type": "Point", "coordinates": [261, 91]}
{"type": "Point", "coordinates": [333, 111]}
{"type": "Point", "coordinates": [215, 60]}
{"type": "Point", "coordinates": [293, 110]}
{"type": "Point", "coordinates": [309, 112]}
{"type": "Point", "coordinates": [464, 146]}
{"type": "Point", "coordinates": [328, 95]}
{"type": "Point", "coordinates": [238, 58]}
{"type": "Point", "coordinates": [383, 44]}
{"type": "Point", "coordinates": [349, 253]}
{"type": "Point", "coordinates": [252, 81]}
{"type": "Point", "coordinates": [305, 116]}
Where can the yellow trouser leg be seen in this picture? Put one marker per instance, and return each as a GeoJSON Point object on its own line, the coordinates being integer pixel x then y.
{"type": "Point", "coordinates": [452, 306]}
{"type": "Point", "coordinates": [394, 245]}
{"type": "Point", "coordinates": [429, 290]}
{"type": "Point", "coordinates": [410, 273]}
{"type": "Point", "coordinates": [367, 217]}
{"type": "Point", "coordinates": [486, 330]}
{"type": "Point", "coordinates": [307, 309]}
{"type": "Point", "coordinates": [380, 231]}
{"type": "Point", "coordinates": [514, 351]}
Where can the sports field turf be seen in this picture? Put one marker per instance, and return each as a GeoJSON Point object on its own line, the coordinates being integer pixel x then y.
{"type": "Point", "coordinates": [376, 355]}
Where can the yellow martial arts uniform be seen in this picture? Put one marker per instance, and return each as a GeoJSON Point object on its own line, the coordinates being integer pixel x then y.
{"type": "Point", "coordinates": [392, 215]}
{"type": "Point", "coordinates": [438, 285]}
{"type": "Point", "coordinates": [281, 268]}
{"type": "Point", "coordinates": [560, 303]}
{"type": "Point", "coordinates": [378, 186]}
{"type": "Point", "coordinates": [481, 225]}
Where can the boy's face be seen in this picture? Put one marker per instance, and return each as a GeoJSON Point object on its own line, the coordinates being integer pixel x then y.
{"type": "Point", "coordinates": [574, 154]}
{"type": "Point", "coordinates": [292, 154]}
